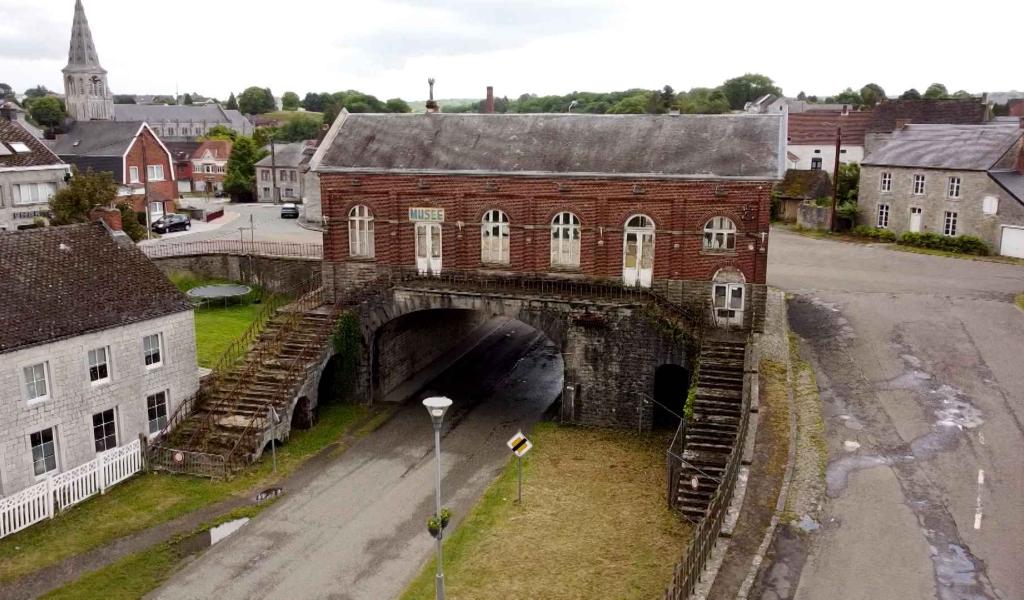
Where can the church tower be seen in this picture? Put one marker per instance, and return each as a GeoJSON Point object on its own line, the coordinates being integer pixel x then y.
{"type": "Point", "coordinates": [86, 93]}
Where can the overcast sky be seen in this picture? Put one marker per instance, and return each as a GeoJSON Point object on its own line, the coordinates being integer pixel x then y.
{"type": "Point", "coordinates": [389, 47]}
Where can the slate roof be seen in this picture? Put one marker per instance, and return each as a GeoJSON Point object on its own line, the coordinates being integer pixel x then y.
{"type": "Point", "coordinates": [240, 122]}
{"type": "Point", "coordinates": [693, 146]}
{"type": "Point", "coordinates": [38, 155]}
{"type": "Point", "coordinates": [97, 138]}
{"type": "Point", "coordinates": [960, 111]}
{"type": "Point", "coordinates": [1011, 181]}
{"type": "Point", "coordinates": [954, 147]}
{"type": "Point", "coordinates": [61, 282]}
{"type": "Point", "coordinates": [182, 151]}
{"type": "Point", "coordinates": [159, 113]}
{"type": "Point", "coordinates": [286, 155]}
{"type": "Point", "coordinates": [819, 127]}
{"type": "Point", "coordinates": [804, 184]}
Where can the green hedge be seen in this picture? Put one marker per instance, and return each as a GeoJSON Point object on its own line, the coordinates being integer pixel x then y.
{"type": "Point", "coordinates": [875, 233]}
{"type": "Point", "coordinates": [961, 244]}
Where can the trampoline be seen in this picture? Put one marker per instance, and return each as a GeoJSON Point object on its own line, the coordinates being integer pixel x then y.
{"type": "Point", "coordinates": [221, 291]}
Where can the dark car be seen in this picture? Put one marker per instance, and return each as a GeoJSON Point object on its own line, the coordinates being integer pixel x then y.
{"type": "Point", "coordinates": [289, 211]}
{"type": "Point", "coordinates": [172, 222]}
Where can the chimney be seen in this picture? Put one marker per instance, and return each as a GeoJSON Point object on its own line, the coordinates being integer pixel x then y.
{"type": "Point", "coordinates": [846, 109]}
{"type": "Point", "coordinates": [110, 216]}
{"type": "Point", "coordinates": [489, 105]}
{"type": "Point", "coordinates": [9, 111]}
{"type": "Point", "coordinates": [1016, 107]}
{"type": "Point", "coordinates": [432, 105]}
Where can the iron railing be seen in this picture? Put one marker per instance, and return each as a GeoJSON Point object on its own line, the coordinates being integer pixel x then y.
{"type": "Point", "coordinates": [187, 462]}
{"type": "Point", "coordinates": [241, 247]}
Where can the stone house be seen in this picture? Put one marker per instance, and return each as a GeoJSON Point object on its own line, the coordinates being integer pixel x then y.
{"type": "Point", "coordinates": [97, 346]}
{"type": "Point", "coordinates": [949, 179]}
{"type": "Point", "coordinates": [29, 176]}
{"type": "Point", "coordinates": [285, 166]}
{"type": "Point", "coordinates": [892, 115]}
{"type": "Point", "coordinates": [798, 187]}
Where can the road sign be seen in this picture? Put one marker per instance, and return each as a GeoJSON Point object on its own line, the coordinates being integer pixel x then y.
{"type": "Point", "coordinates": [519, 444]}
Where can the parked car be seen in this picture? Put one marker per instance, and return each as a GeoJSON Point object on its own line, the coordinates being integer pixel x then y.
{"type": "Point", "coordinates": [289, 211]}
{"type": "Point", "coordinates": [172, 222]}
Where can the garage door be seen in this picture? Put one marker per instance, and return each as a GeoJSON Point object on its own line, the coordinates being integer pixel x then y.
{"type": "Point", "coordinates": [1012, 243]}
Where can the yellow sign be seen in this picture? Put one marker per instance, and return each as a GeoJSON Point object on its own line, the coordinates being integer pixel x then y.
{"type": "Point", "coordinates": [519, 444]}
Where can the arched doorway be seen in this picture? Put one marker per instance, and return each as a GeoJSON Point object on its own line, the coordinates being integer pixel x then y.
{"type": "Point", "coordinates": [638, 251]}
{"type": "Point", "coordinates": [671, 384]}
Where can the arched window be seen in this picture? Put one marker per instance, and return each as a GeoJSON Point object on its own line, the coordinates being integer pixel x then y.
{"type": "Point", "coordinates": [640, 222]}
{"type": "Point", "coordinates": [494, 235]}
{"type": "Point", "coordinates": [360, 232]}
{"type": "Point", "coordinates": [720, 234]}
{"type": "Point", "coordinates": [565, 240]}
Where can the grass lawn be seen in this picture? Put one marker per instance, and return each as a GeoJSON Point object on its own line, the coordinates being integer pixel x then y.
{"type": "Point", "coordinates": [291, 115]}
{"type": "Point", "coordinates": [1020, 301]}
{"type": "Point", "coordinates": [593, 524]}
{"type": "Point", "coordinates": [150, 499]}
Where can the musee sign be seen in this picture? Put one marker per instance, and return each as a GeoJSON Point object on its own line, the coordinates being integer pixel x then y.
{"type": "Point", "coordinates": [426, 214]}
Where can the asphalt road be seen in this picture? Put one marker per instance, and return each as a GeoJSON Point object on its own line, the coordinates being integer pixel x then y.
{"type": "Point", "coordinates": [358, 531]}
{"type": "Point", "coordinates": [920, 362]}
{"type": "Point", "coordinates": [265, 219]}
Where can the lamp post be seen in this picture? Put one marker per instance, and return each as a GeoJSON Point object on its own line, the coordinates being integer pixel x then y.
{"type": "Point", "coordinates": [436, 407]}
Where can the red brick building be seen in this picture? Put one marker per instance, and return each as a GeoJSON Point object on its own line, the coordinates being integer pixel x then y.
{"type": "Point", "coordinates": [677, 203]}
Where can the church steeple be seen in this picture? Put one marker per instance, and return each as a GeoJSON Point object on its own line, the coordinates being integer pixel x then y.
{"type": "Point", "coordinates": [87, 95]}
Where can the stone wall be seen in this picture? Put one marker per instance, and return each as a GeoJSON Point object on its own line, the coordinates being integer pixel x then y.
{"type": "Point", "coordinates": [277, 274]}
{"type": "Point", "coordinates": [810, 216]}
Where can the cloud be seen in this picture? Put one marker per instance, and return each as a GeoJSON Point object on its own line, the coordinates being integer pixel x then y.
{"type": "Point", "coordinates": [21, 35]}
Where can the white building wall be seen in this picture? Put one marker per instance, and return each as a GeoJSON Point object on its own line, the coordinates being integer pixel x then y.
{"type": "Point", "coordinates": [73, 399]}
{"type": "Point", "coordinates": [827, 153]}
{"type": "Point", "coordinates": [11, 215]}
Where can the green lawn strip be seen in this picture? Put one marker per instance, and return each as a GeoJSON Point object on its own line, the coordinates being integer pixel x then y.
{"type": "Point", "coordinates": [1020, 301]}
{"type": "Point", "coordinates": [593, 524]}
{"type": "Point", "coordinates": [217, 328]}
{"type": "Point", "coordinates": [291, 115]}
{"type": "Point", "coordinates": [994, 258]}
{"type": "Point", "coordinates": [154, 498]}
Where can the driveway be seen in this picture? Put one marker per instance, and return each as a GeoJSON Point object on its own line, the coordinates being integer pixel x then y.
{"type": "Point", "coordinates": [264, 219]}
{"type": "Point", "coordinates": [920, 362]}
{"type": "Point", "coordinates": [358, 531]}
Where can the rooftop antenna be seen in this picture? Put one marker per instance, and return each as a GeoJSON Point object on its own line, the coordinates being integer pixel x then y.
{"type": "Point", "coordinates": [573, 105]}
{"type": "Point", "coordinates": [431, 103]}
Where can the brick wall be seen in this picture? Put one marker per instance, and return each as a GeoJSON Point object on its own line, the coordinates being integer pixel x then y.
{"type": "Point", "coordinates": [155, 155]}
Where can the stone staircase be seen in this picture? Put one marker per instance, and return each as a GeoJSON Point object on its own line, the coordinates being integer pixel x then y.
{"type": "Point", "coordinates": [231, 416]}
{"type": "Point", "coordinates": [710, 434]}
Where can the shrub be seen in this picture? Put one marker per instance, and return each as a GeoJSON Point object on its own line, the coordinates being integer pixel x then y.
{"type": "Point", "coordinates": [874, 233]}
{"type": "Point", "coordinates": [961, 244]}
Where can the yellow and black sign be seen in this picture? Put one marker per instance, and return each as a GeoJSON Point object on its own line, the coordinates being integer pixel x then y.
{"type": "Point", "coordinates": [519, 444]}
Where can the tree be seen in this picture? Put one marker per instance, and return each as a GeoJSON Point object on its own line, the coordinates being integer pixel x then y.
{"type": "Point", "coordinates": [220, 132]}
{"type": "Point", "coordinates": [168, 100]}
{"type": "Point", "coordinates": [255, 100]}
{"type": "Point", "coordinates": [872, 94]}
{"type": "Point", "coordinates": [232, 102]}
{"type": "Point", "coordinates": [124, 99]}
{"type": "Point", "coordinates": [962, 94]}
{"type": "Point", "coordinates": [703, 101]}
{"type": "Point", "coordinates": [910, 94]}
{"type": "Point", "coordinates": [47, 111]}
{"type": "Point", "coordinates": [129, 222]}
{"type": "Point", "coordinates": [801, 96]}
{"type": "Point", "coordinates": [635, 104]}
{"type": "Point", "coordinates": [330, 111]}
{"type": "Point", "coordinates": [85, 191]}
{"type": "Point", "coordinates": [302, 127]}
{"type": "Point", "coordinates": [240, 178]}
{"type": "Point", "coordinates": [6, 92]}
{"type": "Point", "coordinates": [290, 101]}
{"type": "Point", "coordinates": [397, 105]}
{"type": "Point", "coordinates": [751, 86]}
{"type": "Point", "coordinates": [849, 180]}
{"type": "Point", "coordinates": [666, 99]}
{"type": "Point", "coordinates": [936, 91]}
{"type": "Point", "coordinates": [187, 100]}
{"type": "Point", "coordinates": [849, 96]}
{"type": "Point", "coordinates": [314, 102]}
{"type": "Point", "coordinates": [37, 92]}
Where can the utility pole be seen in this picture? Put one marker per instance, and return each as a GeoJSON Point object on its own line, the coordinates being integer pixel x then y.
{"type": "Point", "coordinates": [835, 177]}
{"type": "Point", "coordinates": [273, 170]}
{"type": "Point", "coordinates": [145, 188]}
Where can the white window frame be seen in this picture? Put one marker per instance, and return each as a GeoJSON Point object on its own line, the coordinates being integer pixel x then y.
{"type": "Point", "coordinates": [990, 205]}
{"type": "Point", "coordinates": [719, 228]}
{"type": "Point", "coordinates": [882, 217]}
{"type": "Point", "coordinates": [148, 350]}
{"type": "Point", "coordinates": [92, 359]}
{"type": "Point", "coordinates": [494, 238]}
{"type": "Point", "coordinates": [949, 223]}
{"type": "Point", "coordinates": [918, 188]}
{"type": "Point", "coordinates": [104, 424]}
{"type": "Point", "coordinates": [885, 182]}
{"type": "Point", "coordinates": [816, 163]}
{"type": "Point", "coordinates": [154, 172]}
{"type": "Point", "coordinates": [151, 421]}
{"type": "Point", "coordinates": [35, 193]}
{"type": "Point", "coordinates": [42, 444]}
{"type": "Point", "coordinates": [360, 232]}
{"type": "Point", "coordinates": [566, 240]}
{"type": "Point", "coordinates": [953, 188]}
{"type": "Point", "coordinates": [30, 381]}
{"type": "Point", "coordinates": [133, 175]}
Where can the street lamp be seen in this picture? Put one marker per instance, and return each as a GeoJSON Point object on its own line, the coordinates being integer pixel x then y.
{"type": "Point", "coordinates": [436, 407]}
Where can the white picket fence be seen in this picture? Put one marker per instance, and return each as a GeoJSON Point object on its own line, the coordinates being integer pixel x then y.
{"type": "Point", "coordinates": [67, 489]}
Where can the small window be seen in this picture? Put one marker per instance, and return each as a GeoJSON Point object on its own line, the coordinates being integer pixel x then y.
{"type": "Point", "coordinates": [886, 182]}
{"type": "Point", "coordinates": [953, 189]}
{"type": "Point", "coordinates": [817, 150]}
{"type": "Point", "coordinates": [133, 174]}
{"type": "Point", "coordinates": [360, 232]}
{"type": "Point", "coordinates": [155, 172]}
{"type": "Point", "coordinates": [494, 238]}
{"type": "Point", "coordinates": [33, 193]}
{"type": "Point", "coordinates": [949, 224]}
{"type": "Point", "coordinates": [264, 175]}
{"type": "Point", "coordinates": [151, 350]}
{"type": "Point", "coordinates": [156, 410]}
{"type": "Point", "coordinates": [720, 234]}
{"type": "Point", "coordinates": [104, 432]}
{"type": "Point", "coordinates": [816, 163]}
{"type": "Point", "coordinates": [170, 131]}
{"type": "Point", "coordinates": [99, 368]}
{"type": "Point", "coordinates": [918, 185]}
{"type": "Point", "coordinates": [44, 452]}
{"type": "Point", "coordinates": [565, 240]}
{"type": "Point", "coordinates": [990, 205]}
{"type": "Point", "coordinates": [37, 388]}
{"type": "Point", "coordinates": [19, 147]}
{"type": "Point", "coordinates": [883, 216]}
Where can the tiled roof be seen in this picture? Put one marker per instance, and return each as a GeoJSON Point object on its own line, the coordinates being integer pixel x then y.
{"type": "Point", "coordinates": [695, 146]}
{"type": "Point", "coordinates": [805, 184]}
{"type": "Point", "coordinates": [963, 112]}
{"type": "Point", "coordinates": [819, 127]}
{"type": "Point", "coordinates": [38, 154]}
{"type": "Point", "coordinates": [286, 155]}
{"type": "Point", "coordinates": [957, 147]}
{"type": "Point", "coordinates": [60, 282]}
{"type": "Point", "coordinates": [220, 149]}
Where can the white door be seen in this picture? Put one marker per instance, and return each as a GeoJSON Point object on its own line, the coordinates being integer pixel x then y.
{"type": "Point", "coordinates": [428, 248]}
{"type": "Point", "coordinates": [1012, 242]}
{"type": "Point", "coordinates": [728, 303]}
{"type": "Point", "coordinates": [638, 252]}
{"type": "Point", "coordinates": [915, 219]}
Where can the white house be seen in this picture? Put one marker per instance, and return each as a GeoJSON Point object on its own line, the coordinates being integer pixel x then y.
{"type": "Point", "coordinates": [97, 346]}
{"type": "Point", "coordinates": [29, 175]}
{"type": "Point", "coordinates": [812, 138]}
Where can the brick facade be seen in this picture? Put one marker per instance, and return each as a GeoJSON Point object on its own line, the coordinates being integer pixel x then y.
{"type": "Point", "coordinates": [164, 190]}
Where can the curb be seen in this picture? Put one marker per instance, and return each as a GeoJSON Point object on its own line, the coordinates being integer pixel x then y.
{"type": "Point", "coordinates": [302, 223]}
